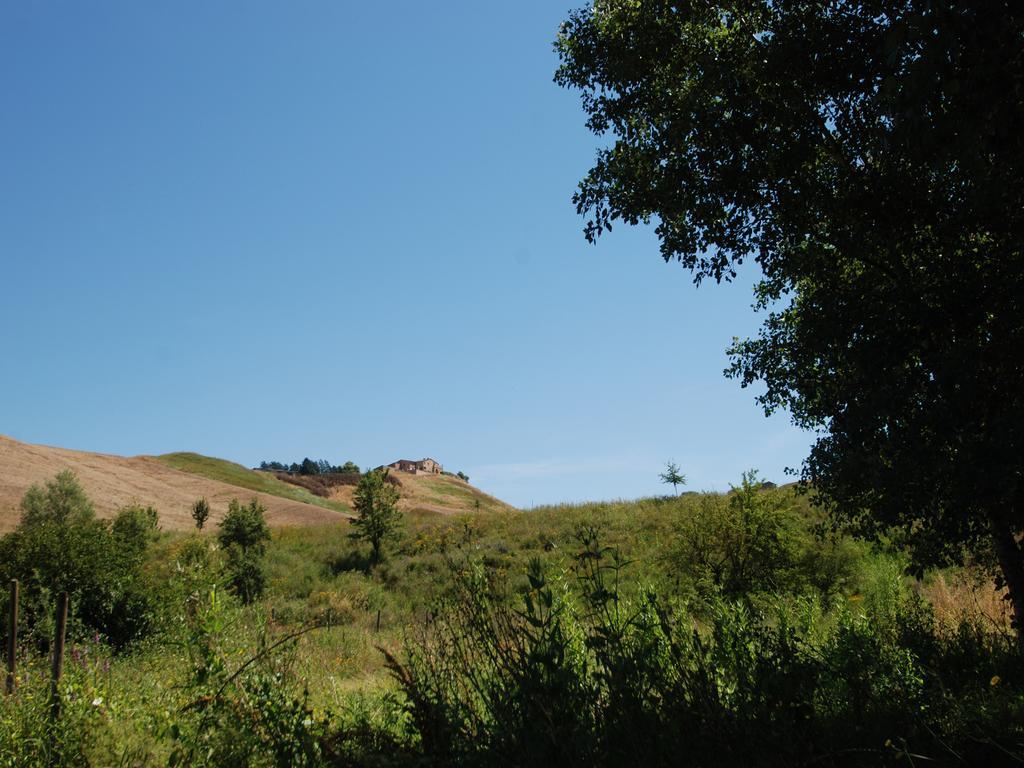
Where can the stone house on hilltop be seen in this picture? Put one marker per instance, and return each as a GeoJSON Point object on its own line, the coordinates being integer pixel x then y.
{"type": "Point", "coordinates": [421, 467]}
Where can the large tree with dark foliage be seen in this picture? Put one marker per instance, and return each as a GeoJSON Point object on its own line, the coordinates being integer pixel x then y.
{"type": "Point", "coordinates": [870, 158]}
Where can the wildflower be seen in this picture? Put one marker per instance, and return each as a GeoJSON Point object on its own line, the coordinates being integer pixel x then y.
{"type": "Point", "coordinates": [98, 701]}
{"type": "Point", "coordinates": [996, 679]}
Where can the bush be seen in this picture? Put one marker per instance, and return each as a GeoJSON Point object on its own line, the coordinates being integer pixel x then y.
{"type": "Point", "coordinates": [201, 512]}
{"type": "Point", "coordinates": [322, 484]}
{"type": "Point", "coordinates": [577, 675]}
{"type": "Point", "coordinates": [244, 526]}
{"type": "Point", "coordinates": [753, 543]}
{"type": "Point", "coordinates": [134, 529]}
{"type": "Point", "coordinates": [243, 535]}
{"type": "Point", "coordinates": [60, 546]}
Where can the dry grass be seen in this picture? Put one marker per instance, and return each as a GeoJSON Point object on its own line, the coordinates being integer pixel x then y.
{"type": "Point", "coordinates": [968, 595]}
{"type": "Point", "coordinates": [439, 494]}
{"type": "Point", "coordinates": [112, 482]}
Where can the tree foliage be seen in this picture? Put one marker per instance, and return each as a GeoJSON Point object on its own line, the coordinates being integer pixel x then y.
{"type": "Point", "coordinates": [376, 504]}
{"type": "Point", "coordinates": [243, 535]}
{"type": "Point", "coordinates": [870, 158]}
{"type": "Point", "coordinates": [310, 467]}
{"type": "Point", "coordinates": [60, 546]}
{"type": "Point", "coordinates": [672, 476]}
{"type": "Point", "coordinates": [201, 512]}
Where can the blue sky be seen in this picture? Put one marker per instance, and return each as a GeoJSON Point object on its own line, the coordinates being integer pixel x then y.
{"type": "Point", "coordinates": [272, 230]}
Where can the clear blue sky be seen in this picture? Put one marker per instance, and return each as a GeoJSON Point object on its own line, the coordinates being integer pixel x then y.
{"type": "Point", "coordinates": [343, 230]}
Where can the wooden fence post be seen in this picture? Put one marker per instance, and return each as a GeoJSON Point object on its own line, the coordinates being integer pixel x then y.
{"type": "Point", "coordinates": [12, 638]}
{"type": "Point", "coordinates": [58, 654]}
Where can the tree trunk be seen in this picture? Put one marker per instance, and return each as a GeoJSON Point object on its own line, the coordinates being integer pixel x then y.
{"type": "Point", "coordinates": [1011, 561]}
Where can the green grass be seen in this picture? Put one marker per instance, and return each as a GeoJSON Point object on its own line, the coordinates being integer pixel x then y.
{"type": "Point", "coordinates": [448, 491]}
{"type": "Point", "coordinates": [318, 575]}
{"type": "Point", "coordinates": [235, 474]}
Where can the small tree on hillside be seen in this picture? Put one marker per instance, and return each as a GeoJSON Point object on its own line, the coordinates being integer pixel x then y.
{"type": "Point", "coordinates": [201, 512]}
{"type": "Point", "coordinates": [672, 476]}
{"type": "Point", "coordinates": [243, 535]}
{"type": "Point", "coordinates": [376, 503]}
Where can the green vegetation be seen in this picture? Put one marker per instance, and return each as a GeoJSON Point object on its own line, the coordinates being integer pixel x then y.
{"type": "Point", "coordinates": [672, 476]}
{"type": "Point", "coordinates": [377, 517]}
{"type": "Point", "coordinates": [309, 467]}
{"type": "Point", "coordinates": [59, 546]}
{"type": "Point", "coordinates": [201, 513]}
{"type": "Point", "coordinates": [236, 474]}
{"type": "Point", "coordinates": [438, 491]}
{"type": "Point", "coordinates": [707, 629]}
{"type": "Point", "coordinates": [868, 158]}
{"type": "Point", "coordinates": [242, 536]}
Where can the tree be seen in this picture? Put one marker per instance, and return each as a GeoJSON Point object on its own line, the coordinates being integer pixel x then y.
{"type": "Point", "coordinates": [201, 512]}
{"type": "Point", "coordinates": [376, 504]}
{"type": "Point", "coordinates": [743, 542]}
{"type": "Point", "coordinates": [61, 500]}
{"type": "Point", "coordinates": [870, 158]}
{"type": "Point", "coordinates": [349, 467]}
{"type": "Point", "coordinates": [671, 476]}
{"type": "Point", "coordinates": [243, 535]}
{"type": "Point", "coordinates": [59, 545]}
{"type": "Point", "coordinates": [134, 528]}
{"type": "Point", "coordinates": [244, 526]}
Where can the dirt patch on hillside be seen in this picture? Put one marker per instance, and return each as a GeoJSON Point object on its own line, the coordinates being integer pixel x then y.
{"type": "Point", "coordinates": [115, 481]}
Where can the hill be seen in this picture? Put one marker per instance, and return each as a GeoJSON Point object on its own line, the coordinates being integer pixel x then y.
{"type": "Point", "coordinates": [439, 494]}
{"type": "Point", "coordinates": [235, 474]}
{"type": "Point", "coordinates": [115, 481]}
{"type": "Point", "coordinates": [173, 481]}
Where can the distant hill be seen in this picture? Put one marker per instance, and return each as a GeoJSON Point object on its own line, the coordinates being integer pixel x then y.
{"type": "Point", "coordinates": [115, 481]}
{"type": "Point", "coordinates": [172, 482]}
{"type": "Point", "coordinates": [235, 474]}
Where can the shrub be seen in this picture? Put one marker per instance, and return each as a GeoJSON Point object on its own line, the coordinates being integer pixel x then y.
{"type": "Point", "coordinates": [60, 546]}
{"type": "Point", "coordinates": [244, 526]}
{"type": "Point", "coordinates": [577, 675]}
{"type": "Point", "coordinates": [134, 529]}
{"type": "Point", "coordinates": [243, 535]}
{"type": "Point", "coordinates": [754, 544]}
{"type": "Point", "coordinates": [201, 512]}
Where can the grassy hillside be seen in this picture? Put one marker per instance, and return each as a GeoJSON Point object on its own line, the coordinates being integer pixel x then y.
{"type": "Point", "coordinates": [729, 599]}
{"type": "Point", "coordinates": [114, 482]}
{"type": "Point", "coordinates": [429, 491]}
{"type": "Point", "coordinates": [434, 494]}
{"type": "Point", "coordinates": [235, 474]}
